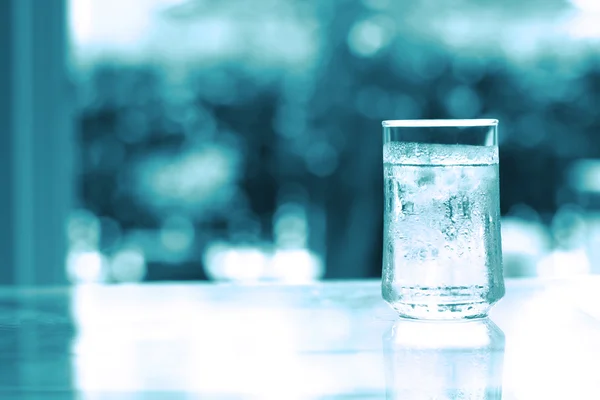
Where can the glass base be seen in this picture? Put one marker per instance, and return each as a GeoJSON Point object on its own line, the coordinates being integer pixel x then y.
{"type": "Point", "coordinates": [442, 311]}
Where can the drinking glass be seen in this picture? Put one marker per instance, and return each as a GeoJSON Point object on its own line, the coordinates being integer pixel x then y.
{"type": "Point", "coordinates": [442, 256]}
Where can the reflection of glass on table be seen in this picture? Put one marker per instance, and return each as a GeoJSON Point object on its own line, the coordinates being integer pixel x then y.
{"type": "Point", "coordinates": [444, 360]}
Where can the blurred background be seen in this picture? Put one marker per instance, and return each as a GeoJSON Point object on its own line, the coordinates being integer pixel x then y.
{"type": "Point", "coordinates": [241, 141]}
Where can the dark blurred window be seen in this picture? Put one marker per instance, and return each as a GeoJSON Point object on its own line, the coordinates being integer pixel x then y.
{"type": "Point", "coordinates": [241, 140]}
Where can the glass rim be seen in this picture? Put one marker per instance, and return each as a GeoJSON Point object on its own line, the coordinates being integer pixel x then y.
{"type": "Point", "coordinates": [438, 123]}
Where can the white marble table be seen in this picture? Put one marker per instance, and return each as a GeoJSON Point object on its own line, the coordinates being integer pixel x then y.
{"type": "Point", "coordinates": [328, 340]}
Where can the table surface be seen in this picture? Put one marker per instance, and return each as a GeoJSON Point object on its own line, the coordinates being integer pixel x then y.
{"type": "Point", "coordinates": [327, 340]}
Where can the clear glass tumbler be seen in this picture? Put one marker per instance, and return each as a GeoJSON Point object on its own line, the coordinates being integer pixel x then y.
{"type": "Point", "coordinates": [442, 256]}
